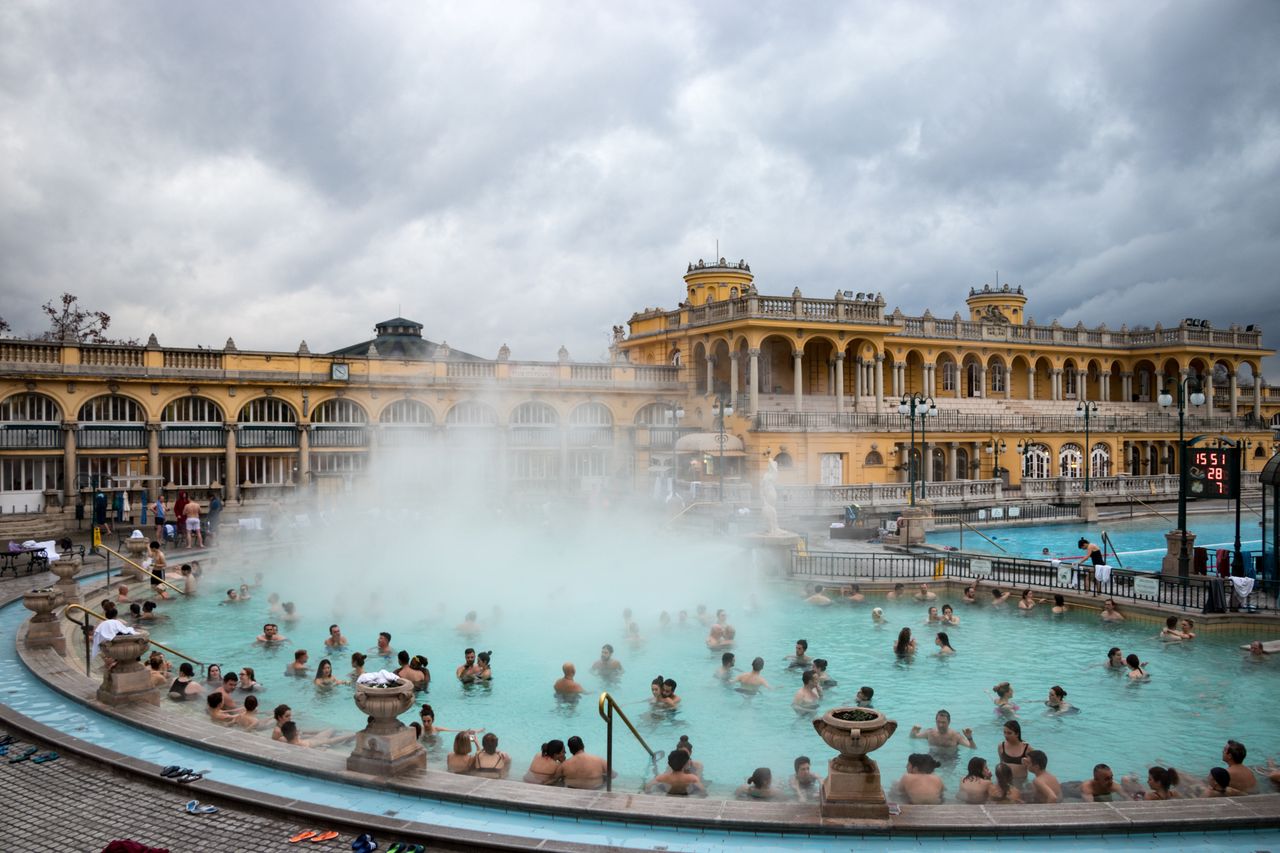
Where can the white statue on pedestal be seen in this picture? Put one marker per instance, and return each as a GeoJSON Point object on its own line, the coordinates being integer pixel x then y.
{"type": "Point", "coordinates": [769, 497]}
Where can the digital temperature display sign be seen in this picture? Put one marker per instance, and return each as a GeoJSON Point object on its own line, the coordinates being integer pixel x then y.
{"type": "Point", "coordinates": [1213, 473]}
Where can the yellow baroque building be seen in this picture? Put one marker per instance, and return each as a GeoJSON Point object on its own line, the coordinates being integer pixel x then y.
{"type": "Point", "coordinates": [814, 384]}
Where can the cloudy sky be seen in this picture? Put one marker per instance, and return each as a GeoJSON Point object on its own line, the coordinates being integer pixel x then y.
{"type": "Point", "coordinates": [533, 173]}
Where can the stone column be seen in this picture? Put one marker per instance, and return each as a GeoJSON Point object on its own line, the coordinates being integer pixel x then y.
{"type": "Point", "coordinates": [797, 363]}
{"type": "Point", "coordinates": [711, 369]}
{"type": "Point", "coordinates": [1104, 386]}
{"type": "Point", "coordinates": [304, 456]}
{"type": "Point", "coordinates": [982, 381]}
{"type": "Point", "coordinates": [733, 377]}
{"type": "Point", "coordinates": [879, 381]}
{"type": "Point", "coordinates": [859, 374]}
{"type": "Point", "coordinates": [70, 480]}
{"type": "Point", "coordinates": [1055, 383]}
{"type": "Point", "coordinates": [952, 466]}
{"type": "Point", "coordinates": [926, 461]}
{"type": "Point", "coordinates": [66, 568]}
{"type": "Point", "coordinates": [840, 382]}
{"type": "Point", "coordinates": [386, 746]}
{"type": "Point", "coordinates": [232, 481]}
{"type": "Point", "coordinates": [44, 631]}
{"type": "Point", "coordinates": [1257, 396]}
{"type": "Point", "coordinates": [1234, 392]}
{"type": "Point", "coordinates": [1126, 386]}
{"type": "Point", "coordinates": [1008, 383]}
{"type": "Point", "coordinates": [153, 450]}
{"type": "Point", "coordinates": [1208, 393]}
{"type": "Point", "coordinates": [753, 376]}
{"type": "Point", "coordinates": [1082, 385]}
{"type": "Point", "coordinates": [1031, 384]}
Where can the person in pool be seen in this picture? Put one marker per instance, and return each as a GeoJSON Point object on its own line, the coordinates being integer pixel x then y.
{"type": "Point", "coordinates": [1115, 658]}
{"type": "Point", "coordinates": [1059, 604]}
{"type": "Point", "coordinates": [975, 787]}
{"type": "Point", "coordinates": [877, 616]}
{"type": "Point", "coordinates": [864, 696]}
{"type": "Point", "coordinates": [971, 594]}
{"type": "Point", "coordinates": [759, 786]}
{"type": "Point", "coordinates": [753, 680]}
{"type": "Point", "coordinates": [324, 675]}
{"type": "Point", "coordinates": [904, 646]}
{"type": "Point", "coordinates": [924, 593]}
{"type": "Point", "coordinates": [919, 785]}
{"type": "Point", "coordinates": [249, 681]}
{"type": "Point", "coordinates": [1046, 788]}
{"type": "Point", "coordinates": [213, 675]}
{"type": "Point", "coordinates": [566, 685]}
{"type": "Point", "coordinates": [820, 676]}
{"type": "Point", "coordinates": [607, 666]}
{"type": "Point", "coordinates": [545, 769]}
{"type": "Point", "coordinates": [271, 635]}
{"type": "Point", "coordinates": [1013, 749]}
{"type": "Point", "coordinates": [998, 597]}
{"type": "Point", "coordinates": [898, 591]}
{"type": "Point", "coordinates": [852, 594]}
{"type": "Point", "coordinates": [1057, 701]}
{"type": "Point", "coordinates": [932, 617]}
{"type": "Point", "coordinates": [1028, 602]}
{"type": "Point", "coordinates": [818, 597]}
{"type": "Point", "coordinates": [335, 641]}
{"type": "Point", "coordinates": [469, 670]}
{"type": "Point", "coordinates": [727, 665]}
{"type": "Point", "coordinates": [185, 685]}
{"type": "Point", "coordinates": [809, 696]}
{"type": "Point", "coordinates": [668, 698]}
{"type": "Point", "coordinates": [1101, 787]}
{"type": "Point", "coordinates": [943, 642]}
{"type": "Point", "coordinates": [1136, 672]}
{"type": "Point", "coordinates": [804, 783]}
{"type": "Point", "coordinates": [1005, 706]}
{"type": "Point", "coordinates": [942, 736]}
{"type": "Point", "coordinates": [357, 665]}
{"type": "Point", "coordinates": [677, 781]}
{"type": "Point", "coordinates": [949, 616]}
{"type": "Point", "coordinates": [801, 658]}
{"type": "Point", "coordinates": [298, 668]}
{"type": "Point", "coordinates": [1170, 633]}
{"type": "Point", "coordinates": [490, 761]}
{"type": "Point", "coordinates": [1110, 613]}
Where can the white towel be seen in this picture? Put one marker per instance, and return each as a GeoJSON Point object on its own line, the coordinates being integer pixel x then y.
{"type": "Point", "coordinates": [137, 534]}
{"type": "Point", "coordinates": [50, 549]}
{"type": "Point", "coordinates": [378, 679]}
{"type": "Point", "coordinates": [109, 629]}
{"type": "Point", "coordinates": [1243, 586]}
{"type": "Point", "coordinates": [1102, 573]}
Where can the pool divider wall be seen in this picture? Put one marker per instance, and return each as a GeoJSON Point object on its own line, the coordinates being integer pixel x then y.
{"type": "Point", "coordinates": [59, 673]}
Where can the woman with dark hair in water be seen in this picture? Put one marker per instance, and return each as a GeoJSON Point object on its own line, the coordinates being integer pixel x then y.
{"type": "Point", "coordinates": [545, 769]}
{"type": "Point", "coordinates": [904, 645]}
{"type": "Point", "coordinates": [1136, 672]}
{"type": "Point", "coordinates": [1003, 791]}
{"type": "Point", "coordinates": [759, 786]}
{"type": "Point", "coordinates": [1115, 658]}
{"type": "Point", "coordinates": [975, 788]}
{"type": "Point", "coordinates": [1013, 749]}
{"type": "Point", "coordinates": [943, 643]}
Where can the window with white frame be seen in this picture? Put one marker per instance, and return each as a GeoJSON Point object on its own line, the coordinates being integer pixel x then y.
{"type": "Point", "coordinates": [112, 408]}
{"type": "Point", "coordinates": [268, 410]}
{"type": "Point", "coordinates": [407, 412]}
{"type": "Point", "coordinates": [193, 471]}
{"type": "Point", "coordinates": [263, 470]}
{"type": "Point", "coordinates": [30, 473]}
{"type": "Point", "coordinates": [1100, 461]}
{"type": "Point", "coordinates": [999, 377]}
{"type": "Point", "coordinates": [192, 410]}
{"type": "Point", "coordinates": [337, 463]}
{"type": "Point", "coordinates": [29, 408]}
{"type": "Point", "coordinates": [339, 411]}
{"type": "Point", "coordinates": [1070, 461]}
{"type": "Point", "coordinates": [1035, 463]}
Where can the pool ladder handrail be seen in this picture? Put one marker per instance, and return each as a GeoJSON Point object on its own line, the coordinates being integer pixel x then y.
{"type": "Point", "coordinates": [88, 636]}
{"type": "Point", "coordinates": [139, 568]}
{"type": "Point", "coordinates": [964, 524]}
{"type": "Point", "coordinates": [607, 701]}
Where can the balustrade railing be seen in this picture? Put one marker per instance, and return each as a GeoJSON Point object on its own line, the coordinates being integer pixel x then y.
{"type": "Point", "coordinates": [30, 437]}
{"type": "Point", "coordinates": [23, 352]}
{"type": "Point", "coordinates": [266, 436]}
{"type": "Point", "coordinates": [470, 370]}
{"type": "Point", "coordinates": [339, 436]}
{"type": "Point", "coordinates": [111, 437]}
{"type": "Point", "coordinates": [193, 436]}
{"type": "Point", "coordinates": [952, 421]}
{"type": "Point", "coordinates": [193, 359]}
{"type": "Point", "coordinates": [104, 356]}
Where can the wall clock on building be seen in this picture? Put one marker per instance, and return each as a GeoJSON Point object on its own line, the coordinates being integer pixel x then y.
{"type": "Point", "coordinates": [340, 372]}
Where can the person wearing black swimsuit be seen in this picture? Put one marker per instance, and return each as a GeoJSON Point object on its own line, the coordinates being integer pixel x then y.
{"type": "Point", "coordinates": [1013, 749]}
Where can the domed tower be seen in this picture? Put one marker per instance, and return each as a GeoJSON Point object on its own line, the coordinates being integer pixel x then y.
{"type": "Point", "coordinates": [717, 281]}
{"type": "Point", "coordinates": [1003, 304]}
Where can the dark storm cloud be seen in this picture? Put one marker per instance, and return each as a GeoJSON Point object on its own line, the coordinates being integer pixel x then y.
{"type": "Point", "coordinates": [531, 175]}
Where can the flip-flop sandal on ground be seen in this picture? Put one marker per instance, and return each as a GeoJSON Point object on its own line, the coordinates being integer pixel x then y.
{"type": "Point", "coordinates": [4, 750]}
{"type": "Point", "coordinates": [364, 844]}
{"type": "Point", "coordinates": [30, 751]}
{"type": "Point", "coordinates": [45, 759]}
{"type": "Point", "coordinates": [7, 739]}
{"type": "Point", "coordinates": [325, 836]}
{"type": "Point", "coordinates": [302, 836]}
{"type": "Point", "coordinates": [189, 777]}
{"type": "Point", "coordinates": [192, 805]}
{"type": "Point", "coordinates": [207, 810]}
{"type": "Point", "coordinates": [171, 770]}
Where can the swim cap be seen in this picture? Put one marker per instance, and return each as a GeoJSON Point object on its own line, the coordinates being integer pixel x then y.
{"type": "Point", "coordinates": [876, 611]}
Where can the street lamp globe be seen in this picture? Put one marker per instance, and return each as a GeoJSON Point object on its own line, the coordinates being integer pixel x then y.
{"type": "Point", "coordinates": [1080, 410]}
{"type": "Point", "coordinates": [1197, 398]}
{"type": "Point", "coordinates": [1165, 399]}
{"type": "Point", "coordinates": [904, 408]}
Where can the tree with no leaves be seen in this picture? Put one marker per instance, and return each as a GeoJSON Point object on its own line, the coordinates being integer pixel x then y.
{"type": "Point", "coordinates": [69, 322]}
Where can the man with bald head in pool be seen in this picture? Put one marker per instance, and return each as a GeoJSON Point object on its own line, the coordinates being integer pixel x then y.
{"type": "Point", "coordinates": [565, 685]}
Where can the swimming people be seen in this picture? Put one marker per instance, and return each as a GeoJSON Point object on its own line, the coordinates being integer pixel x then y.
{"type": "Point", "coordinates": [1045, 788]}
{"type": "Point", "coordinates": [904, 646]}
{"type": "Point", "coordinates": [1242, 778]}
{"type": "Point", "coordinates": [271, 634]}
{"type": "Point", "coordinates": [852, 594]}
{"type": "Point", "coordinates": [998, 598]}
{"type": "Point", "coordinates": [801, 657]}
{"type": "Point", "coordinates": [817, 597]}
{"type": "Point", "coordinates": [298, 668]}
{"type": "Point", "coordinates": [759, 786]}
{"type": "Point", "coordinates": [949, 616]}
{"type": "Point", "coordinates": [753, 680]}
{"type": "Point", "coordinates": [1057, 701]}
{"type": "Point", "coordinates": [943, 642]}
{"type": "Point", "coordinates": [1013, 749]}
{"type": "Point", "coordinates": [607, 665]}
{"type": "Point", "coordinates": [1110, 613]}
{"type": "Point", "coordinates": [1115, 658]}
{"type": "Point", "coordinates": [864, 696]}
{"type": "Point", "coordinates": [335, 641]}
{"type": "Point", "coordinates": [975, 787]}
{"type": "Point", "coordinates": [877, 616]}
{"type": "Point", "coordinates": [808, 697]}
{"type": "Point", "coordinates": [1101, 787]}
{"type": "Point", "coordinates": [545, 769]}
{"type": "Point", "coordinates": [971, 594]}
{"type": "Point", "coordinates": [924, 593]}
{"type": "Point", "coordinates": [919, 785]}
{"type": "Point", "coordinates": [1059, 603]}
{"type": "Point", "coordinates": [1004, 699]}
{"type": "Point", "coordinates": [489, 761]}
{"type": "Point", "coordinates": [324, 675]}
{"type": "Point", "coordinates": [727, 662]}
{"type": "Point", "coordinates": [582, 770]}
{"type": "Point", "coordinates": [804, 783]}
{"type": "Point", "coordinates": [566, 685]}
{"type": "Point", "coordinates": [1027, 602]}
{"type": "Point", "coordinates": [468, 671]}
{"type": "Point", "coordinates": [1136, 672]}
{"type": "Point", "coordinates": [677, 781]}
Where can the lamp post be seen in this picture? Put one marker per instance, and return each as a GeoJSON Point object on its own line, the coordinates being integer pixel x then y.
{"type": "Point", "coordinates": [916, 405]}
{"type": "Point", "coordinates": [1084, 410]}
{"type": "Point", "coordinates": [723, 408]}
{"type": "Point", "coordinates": [1166, 400]}
{"type": "Point", "coordinates": [996, 447]}
{"type": "Point", "coordinates": [1023, 447]}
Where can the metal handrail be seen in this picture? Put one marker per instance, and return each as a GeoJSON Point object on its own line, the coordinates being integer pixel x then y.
{"type": "Point", "coordinates": [689, 507]}
{"type": "Point", "coordinates": [84, 627]}
{"type": "Point", "coordinates": [1106, 542]}
{"type": "Point", "coordinates": [608, 701]}
{"type": "Point", "coordinates": [964, 524]}
{"type": "Point", "coordinates": [1133, 499]}
{"type": "Point", "coordinates": [144, 571]}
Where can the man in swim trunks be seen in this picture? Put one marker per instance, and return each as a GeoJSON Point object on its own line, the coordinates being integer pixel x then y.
{"type": "Point", "coordinates": [191, 518]}
{"type": "Point", "coordinates": [677, 781]}
{"type": "Point", "coordinates": [727, 661]}
{"type": "Point", "coordinates": [298, 668]}
{"type": "Point", "coordinates": [565, 685]}
{"type": "Point", "coordinates": [335, 640]}
{"type": "Point", "coordinates": [925, 594]}
{"type": "Point", "coordinates": [608, 665]}
{"type": "Point", "coordinates": [942, 736]}
{"type": "Point", "coordinates": [1045, 788]}
{"type": "Point", "coordinates": [583, 770]}
{"type": "Point", "coordinates": [1102, 787]}
{"type": "Point", "coordinates": [469, 671]}
{"type": "Point", "coordinates": [271, 634]}
{"type": "Point", "coordinates": [1242, 778]}
{"type": "Point", "coordinates": [383, 649]}
{"type": "Point", "coordinates": [753, 680]}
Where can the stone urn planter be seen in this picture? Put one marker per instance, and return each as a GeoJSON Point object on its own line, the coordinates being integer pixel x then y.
{"type": "Point", "coordinates": [127, 680]}
{"type": "Point", "coordinates": [66, 569]}
{"type": "Point", "coordinates": [44, 630]}
{"type": "Point", "coordinates": [136, 548]}
{"type": "Point", "coordinates": [852, 787]}
{"type": "Point", "coordinates": [386, 746]}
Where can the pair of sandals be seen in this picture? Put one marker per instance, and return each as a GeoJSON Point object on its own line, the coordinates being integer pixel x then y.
{"type": "Point", "coordinates": [313, 836]}
{"type": "Point", "coordinates": [30, 753]}
{"type": "Point", "coordinates": [405, 847]}
{"type": "Point", "coordinates": [194, 807]}
{"type": "Point", "coordinates": [182, 775]}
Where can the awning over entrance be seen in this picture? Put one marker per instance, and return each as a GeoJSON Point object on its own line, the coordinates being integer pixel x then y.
{"type": "Point", "coordinates": [709, 442]}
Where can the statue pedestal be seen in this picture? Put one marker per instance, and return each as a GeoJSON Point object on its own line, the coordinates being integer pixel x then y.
{"type": "Point", "coordinates": [386, 746]}
{"type": "Point", "coordinates": [44, 630]}
{"type": "Point", "coordinates": [853, 793]}
{"type": "Point", "coordinates": [912, 524]}
{"type": "Point", "coordinates": [1089, 508]}
{"type": "Point", "coordinates": [771, 552]}
{"type": "Point", "coordinates": [1169, 563]}
{"type": "Point", "coordinates": [852, 788]}
{"type": "Point", "coordinates": [128, 681]}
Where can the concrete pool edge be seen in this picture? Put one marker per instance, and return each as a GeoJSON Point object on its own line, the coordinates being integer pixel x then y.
{"type": "Point", "coordinates": [1249, 813]}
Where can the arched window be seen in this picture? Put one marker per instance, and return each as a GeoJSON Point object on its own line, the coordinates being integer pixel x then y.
{"type": "Point", "coordinates": [268, 410]}
{"type": "Point", "coordinates": [1070, 461]}
{"type": "Point", "coordinates": [998, 377]}
{"type": "Point", "coordinates": [938, 464]}
{"type": "Point", "coordinates": [950, 376]}
{"type": "Point", "coordinates": [1069, 382]}
{"type": "Point", "coordinates": [1100, 461]}
{"type": "Point", "coordinates": [534, 414]}
{"type": "Point", "coordinates": [28, 408]}
{"type": "Point", "coordinates": [591, 414]}
{"type": "Point", "coordinates": [192, 410]}
{"type": "Point", "coordinates": [1035, 464]}
{"type": "Point", "coordinates": [407, 412]}
{"type": "Point", "coordinates": [656, 414]}
{"type": "Point", "coordinates": [469, 413]}
{"type": "Point", "coordinates": [112, 408]}
{"type": "Point", "coordinates": [873, 458]}
{"type": "Point", "coordinates": [1259, 452]}
{"type": "Point", "coordinates": [962, 464]}
{"type": "Point", "coordinates": [591, 425]}
{"type": "Point", "coordinates": [339, 411]}
{"type": "Point", "coordinates": [783, 459]}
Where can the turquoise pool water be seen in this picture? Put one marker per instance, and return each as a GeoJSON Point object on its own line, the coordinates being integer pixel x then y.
{"type": "Point", "coordinates": [1140, 542]}
{"type": "Point", "coordinates": [1206, 690]}
{"type": "Point", "coordinates": [28, 695]}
